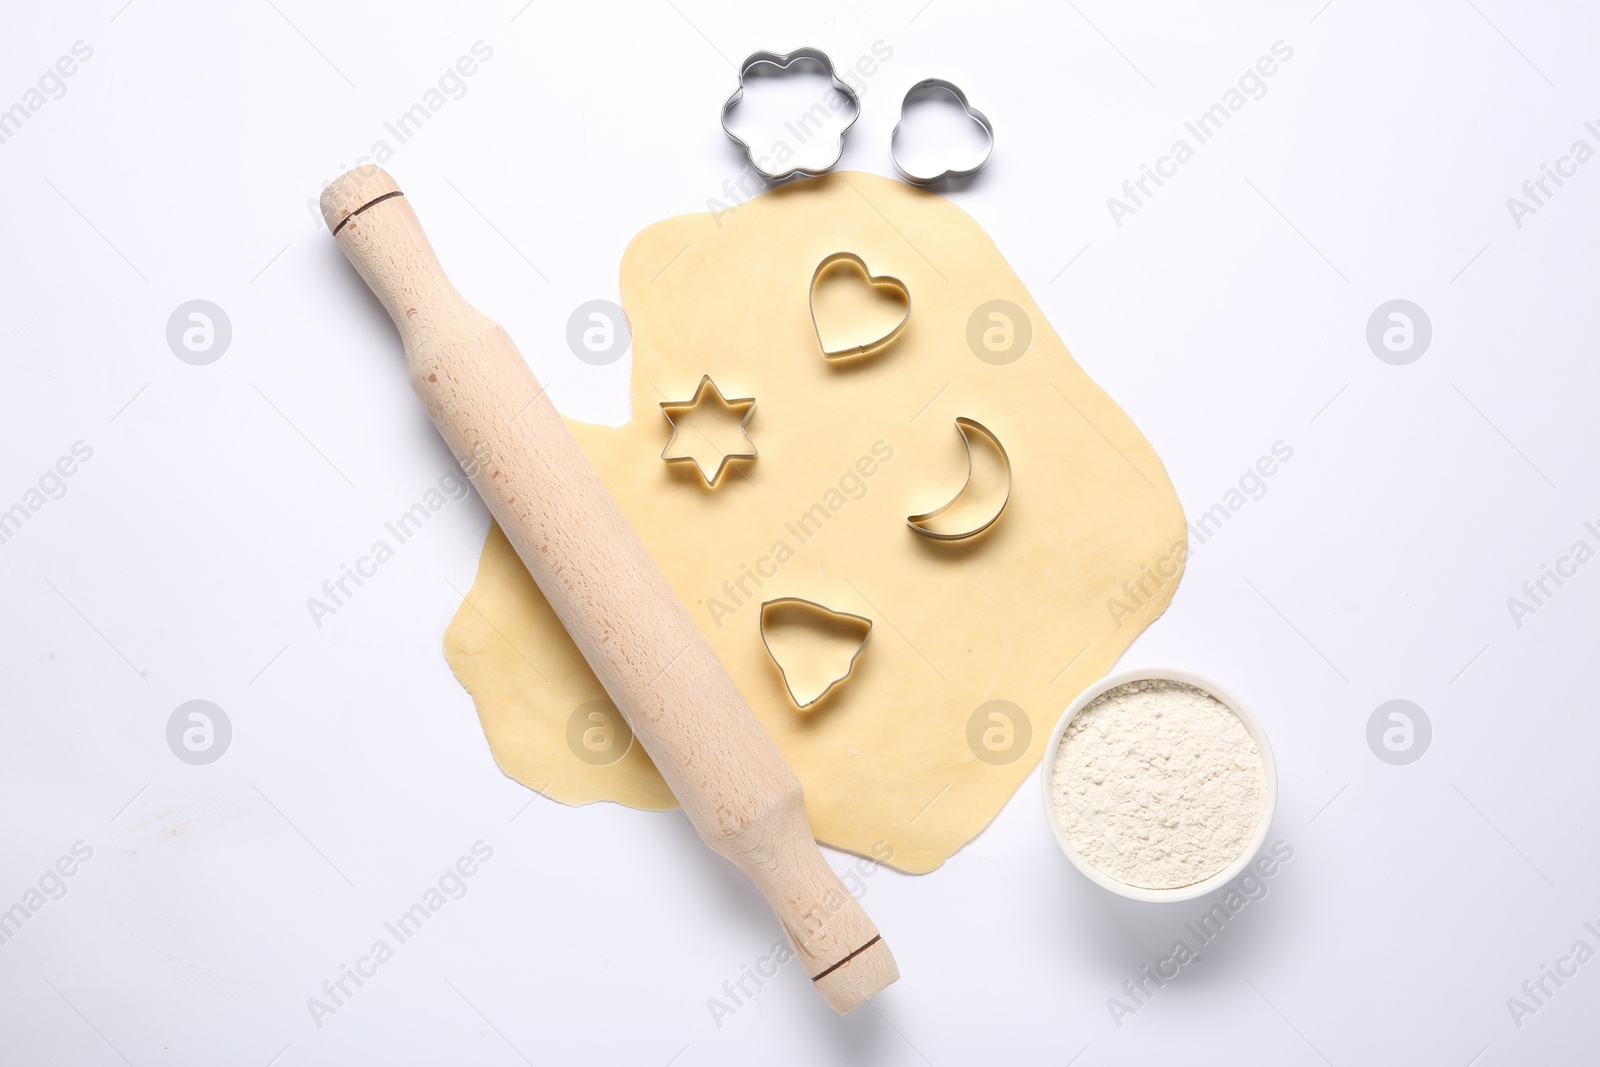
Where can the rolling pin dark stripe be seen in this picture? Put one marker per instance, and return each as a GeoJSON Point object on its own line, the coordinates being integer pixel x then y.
{"type": "Point", "coordinates": [363, 207]}
{"type": "Point", "coordinates": [847, 959]}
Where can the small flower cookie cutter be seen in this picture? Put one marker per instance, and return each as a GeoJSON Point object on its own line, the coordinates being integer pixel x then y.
{"type": "Point", "coordinates": [933, 87]}
{"type": "Point", "coordinates": [921, 523]}
{"type": "Point", "coordinates": [886, 280]}
{"type": "Point", "coordinates": [815, 608]}
{"type": "Point", "coordinates": [745, 403]}
{"type": "Point", "coordinates": [783, 61]}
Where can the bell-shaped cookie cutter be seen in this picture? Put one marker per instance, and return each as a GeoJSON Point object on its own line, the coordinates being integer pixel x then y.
{"type": "Point", "coordinates": [746, 403]}
{"type": "Point", "coordinates": [819, 609]}
{"type": "Point", "coordinates": [933, 87]}
{"type": "Point", "coordinates": [870, 347]}
{"type": "Point", "coordinates": [783, 61]}
{"type": "Point", "coordinates": [967, 428]}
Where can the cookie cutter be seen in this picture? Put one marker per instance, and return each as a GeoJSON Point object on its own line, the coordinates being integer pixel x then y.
{"type": "Point", "coordinates": [966, 427]}
{"type": "Point", "coordinates": [933, 87]}
{"type": "Point", "coordinates": [818, 609]}
{"type": "Point", "coordinates": [745, 403]}
{"type": "Point", "coordinates": [783, 61]}
{"type": "Point", "coordinates": [884, 280]}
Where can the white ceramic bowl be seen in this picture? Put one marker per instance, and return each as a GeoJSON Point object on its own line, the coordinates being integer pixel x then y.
{"type": "Point", "coordinates": [1251, 723]}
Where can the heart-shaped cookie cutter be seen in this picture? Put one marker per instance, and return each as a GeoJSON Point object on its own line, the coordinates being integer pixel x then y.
{"type": "Point", "coordinates": [933, 87]}
{"type": "Point", "coordinates": [783, 61]}
{"type": "Point", "coordinates": [888, 280]}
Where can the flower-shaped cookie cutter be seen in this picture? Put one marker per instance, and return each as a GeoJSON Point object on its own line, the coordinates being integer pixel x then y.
{"type": "Point", "coordinates": [934, 87]}
{"type": "Point", "coordinates": [784, 61]}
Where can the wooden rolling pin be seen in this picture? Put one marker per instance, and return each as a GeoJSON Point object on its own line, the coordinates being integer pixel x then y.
{"type": "Point", "coordinates": [730, 778]}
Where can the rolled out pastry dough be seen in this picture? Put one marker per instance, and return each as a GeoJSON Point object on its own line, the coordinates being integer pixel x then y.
{"type": "Point", "coordinates": [977, 646]}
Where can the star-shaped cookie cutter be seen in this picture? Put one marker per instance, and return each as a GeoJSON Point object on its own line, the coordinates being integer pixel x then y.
{"type": "Point", "coordinates": [783, 61]}
{"type": "Point", "coordinates": [746, 404]}
{"type": "Point", "coordinates": [931, 87]}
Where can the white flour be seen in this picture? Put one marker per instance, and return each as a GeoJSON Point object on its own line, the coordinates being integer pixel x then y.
{"type": "Point", "coordinates": [1158, 784]}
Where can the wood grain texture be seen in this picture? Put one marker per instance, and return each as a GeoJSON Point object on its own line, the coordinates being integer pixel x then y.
{"type": "Point", "coordinates": [653, 661]}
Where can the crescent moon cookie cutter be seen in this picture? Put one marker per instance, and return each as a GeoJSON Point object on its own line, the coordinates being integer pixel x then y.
{"type": "Point", "coordinates": [922, 523]}
{"type": "Point", "coordinates": [865, 348]}
{"type": "Point", "coordinates": [744, 404]}
{"type": "Point", "coordinates": [934, 87]}
{"type": "Point", "coordinates": [800, 603]}
{"type": "Point", "coordinates": [783, 62]}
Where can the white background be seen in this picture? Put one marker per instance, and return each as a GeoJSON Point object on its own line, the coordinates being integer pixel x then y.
{"type": "Point", "coordinates": [1228, 314]}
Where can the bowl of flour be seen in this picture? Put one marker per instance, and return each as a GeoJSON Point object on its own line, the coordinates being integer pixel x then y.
{"type": "Point", "coordinates": [1159, 784]}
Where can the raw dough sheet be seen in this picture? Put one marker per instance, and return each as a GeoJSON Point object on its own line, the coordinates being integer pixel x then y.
{"type": "Point", "coordinates": [976, 646]}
